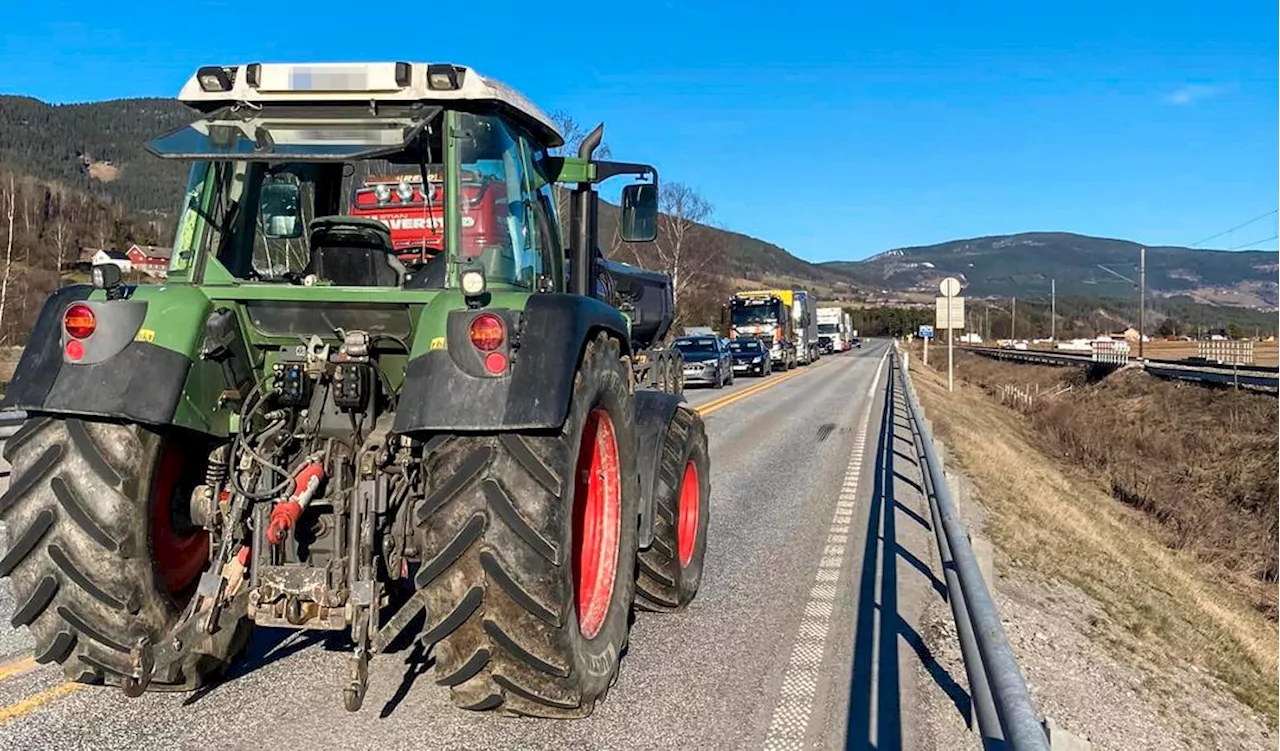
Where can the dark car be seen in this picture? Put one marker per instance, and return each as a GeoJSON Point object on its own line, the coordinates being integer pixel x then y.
{"type": "Point", "coordinates": [706, 360]}
{"type": "Point", "coordinates": [750, 357]}
{"type": "Point", "coordinates": [857, 342]}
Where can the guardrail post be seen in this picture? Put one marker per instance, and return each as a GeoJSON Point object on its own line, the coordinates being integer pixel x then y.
{"type": "Point", "coordinates": [1060, 739]}
{"type": "Point", "coordinates": [985, 554]}
{"type": "Point", "coordinates": [956, 485]}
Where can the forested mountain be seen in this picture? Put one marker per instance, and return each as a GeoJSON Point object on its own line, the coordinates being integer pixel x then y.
{"type": "Point", "coordinates": [96, 148]}
{"type": "Point", "coordinates": [1024, 264]}
{"type": "Point", "coordinates": [81, 178]}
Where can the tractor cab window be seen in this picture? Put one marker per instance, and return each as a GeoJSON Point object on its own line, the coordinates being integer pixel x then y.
{"type": "Point", "coordinates": [315, 196]}
{"type": "Point", "coordinates": [505, 226]}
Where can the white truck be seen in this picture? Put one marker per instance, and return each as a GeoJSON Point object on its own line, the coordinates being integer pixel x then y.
{"type": "Point", "coordinates": [851, 334]}
{"type": "Point", "coordinates": [833, 332]}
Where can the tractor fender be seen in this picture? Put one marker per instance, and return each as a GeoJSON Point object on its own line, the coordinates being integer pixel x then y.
{"type": "Point", "coordinates": [654, 410]}
{"type": "Point", "coordinates": [124, 374]}
{"type": "Point", "coordinates": [444, 392]}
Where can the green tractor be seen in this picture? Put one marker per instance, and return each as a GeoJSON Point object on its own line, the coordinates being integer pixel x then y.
{"type": "Point", "coordinates": [361, 404]}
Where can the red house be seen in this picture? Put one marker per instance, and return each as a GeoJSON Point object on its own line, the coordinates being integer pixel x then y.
{"type": "Point", "coordinates": [150, 260]}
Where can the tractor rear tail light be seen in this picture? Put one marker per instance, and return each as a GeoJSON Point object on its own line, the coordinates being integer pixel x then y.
{"type": "Point", "coordinates": [495, 363]}
{"type": "Point", "coordinates": [79, 321]}
{"type": "Point", "coordinates": [75, 350]}
{"type": "Point", "coordinates": [487, 332]}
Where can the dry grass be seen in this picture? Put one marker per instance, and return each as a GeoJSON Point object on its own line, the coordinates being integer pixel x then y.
{"type": "Point", "coordinates": [1047, 513]}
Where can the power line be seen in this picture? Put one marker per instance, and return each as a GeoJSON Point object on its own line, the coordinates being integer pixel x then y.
{"type": "Point", "coordinates": [1255, 242]}
{"type": "Point", "coordinates": [1233, 229]}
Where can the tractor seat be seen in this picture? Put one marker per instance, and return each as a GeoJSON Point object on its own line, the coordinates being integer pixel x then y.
{"type": "Point", "coordinates": [353, 252]}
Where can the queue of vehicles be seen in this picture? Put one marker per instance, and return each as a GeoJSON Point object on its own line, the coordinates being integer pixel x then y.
{"type": "Point", "coordinates": [768, 330]}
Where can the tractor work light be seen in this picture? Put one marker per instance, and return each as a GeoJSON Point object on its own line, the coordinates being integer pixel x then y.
{"type": "Point", "coordinates": [107, 277]}
{"type": "Point", "coordinates": [213, 78]}
{"type": "Point", "coordinates": [404, 191]}
{"type": "Point", "coordinates": [444, 77]}
{"type": "Point", "coordinates": [79, 321]}
{"type": "Point", "coordinates": [487, 333]}
{"type": "Point", "coordinates": [472, 282]}
{"type": "Point", "coordinates": [382, 193]}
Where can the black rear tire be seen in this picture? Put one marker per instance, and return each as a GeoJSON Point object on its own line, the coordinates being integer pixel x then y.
{"type": "Point", "coordinates": [669, 573]}
{"type": "Point", "coordinates": [497, 538]}
{"type": "Point", "coordinates": [83, 535]}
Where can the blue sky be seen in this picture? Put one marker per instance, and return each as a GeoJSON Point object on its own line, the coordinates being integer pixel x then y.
{"type": "Point", "coordinates": [836, 130]}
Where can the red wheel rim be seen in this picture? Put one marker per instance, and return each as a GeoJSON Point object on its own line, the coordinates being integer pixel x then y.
{"type": "Point", "coordinates": [687, 528]}
{"type": "Point", "coordinates": [597, 521]}
{"type": "Point", "coordinates": [179, 559]}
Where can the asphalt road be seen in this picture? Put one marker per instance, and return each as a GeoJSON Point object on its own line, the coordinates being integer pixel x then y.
{"type": "Point", "coordinates": [782, 648]}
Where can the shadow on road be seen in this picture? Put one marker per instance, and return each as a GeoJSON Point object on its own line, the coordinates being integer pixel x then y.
{"type": "Point", "coordinates": [875, 704]}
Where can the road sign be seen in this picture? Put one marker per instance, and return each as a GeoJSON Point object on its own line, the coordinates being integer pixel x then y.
{"type": "Point", "coordinates": [1227, 352]}
{"type": "Point", "coordinates": [926, 332]}
{"type": "Point", "coordinates": [949, 287]}
{"type": "Point", "coordinates": [1108, 351]}
{"type": "Point", "coordinates": [956, 307]}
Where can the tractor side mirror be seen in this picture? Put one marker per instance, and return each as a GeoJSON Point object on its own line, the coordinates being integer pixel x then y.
{"type": "Point", "coordinates": [279, 210]}
{"type": "Point", "coordinates": [640, 212]}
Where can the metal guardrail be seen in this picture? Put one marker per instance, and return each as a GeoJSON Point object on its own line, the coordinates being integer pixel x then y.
{"type": "Point", "coordinates": [1260, 378]}
{"type": "Point", "coordinates": [1002, 704]}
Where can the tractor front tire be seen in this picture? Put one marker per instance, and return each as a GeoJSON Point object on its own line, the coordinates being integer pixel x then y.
{"type": "Point", "coordinates": [95, 556]}
{"type": "Point", "coordinates": [669, 572]}
{"type": "Point", "coordinates": [528, 542]}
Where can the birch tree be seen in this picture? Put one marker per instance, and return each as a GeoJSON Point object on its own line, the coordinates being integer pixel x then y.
{"type": "Point", "coordinates": [8, 257]}
{"type": "Point", "coordinates": [683, 249]}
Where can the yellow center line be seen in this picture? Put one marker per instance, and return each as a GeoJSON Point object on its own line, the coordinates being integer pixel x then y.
{"type": "Point", "coordinates": [728, 399]}
{"type": "Point", "coordinates": [32, 703]}
{"type": "Point", "coordinates": [18, 667]}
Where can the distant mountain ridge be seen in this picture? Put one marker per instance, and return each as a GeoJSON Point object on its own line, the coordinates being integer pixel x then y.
{"type": "Point", "coordinates": [1024, 264]}
{"type": "Point", "coordinates": [97, 149]}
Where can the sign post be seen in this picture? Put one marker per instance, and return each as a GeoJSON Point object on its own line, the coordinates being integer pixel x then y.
{"type": "Point", "coordinates": [925, 333]}
{"type": "Point", "coordinates": [949, 314]}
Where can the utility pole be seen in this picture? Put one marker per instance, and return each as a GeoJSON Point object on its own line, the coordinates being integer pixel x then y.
{"type": "Point", "coordinates": [1053, 309]}
{"type": "Point", "coordinates": [1013, 320]}
{"type": "Point", "coordinates": [1142, 297]}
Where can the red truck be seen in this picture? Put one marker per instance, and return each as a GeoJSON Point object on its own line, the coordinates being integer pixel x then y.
{"type": "Point", "coordinates": [415, 216]}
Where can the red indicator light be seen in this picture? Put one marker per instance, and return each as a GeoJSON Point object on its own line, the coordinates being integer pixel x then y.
{"type": "Point", "coordinates": [74, 350]}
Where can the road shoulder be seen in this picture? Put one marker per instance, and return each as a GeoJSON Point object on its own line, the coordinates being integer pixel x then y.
{"type": "Point", "coordinates": [1104, 667]}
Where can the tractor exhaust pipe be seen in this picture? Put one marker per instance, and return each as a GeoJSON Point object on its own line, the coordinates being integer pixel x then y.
{"type": "Point", "coordinates": [591, 142]}
{"type": "Point", "coordinates": [583, 218]}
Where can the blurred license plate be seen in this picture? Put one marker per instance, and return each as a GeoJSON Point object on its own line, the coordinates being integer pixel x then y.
{"type": "Point", "coordinates": [328, 78]}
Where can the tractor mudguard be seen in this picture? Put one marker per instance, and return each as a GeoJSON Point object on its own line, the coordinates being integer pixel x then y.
{"type": "Point", "coordinates": [443, 393]}
{"type": "Point", "coordinates": [654, 410]}
{"type": "Point", "coordinates": [123, 374]}
{"type": "Point", "coordinates": [41, 359]}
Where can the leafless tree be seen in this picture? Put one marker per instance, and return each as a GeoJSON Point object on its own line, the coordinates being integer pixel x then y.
{"type": "Point", "coordinates": [60, 238]}
{"type": "Point", "coordinates": [8, 256]}
{"type": "Point", "coordinates": [678, 252]}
